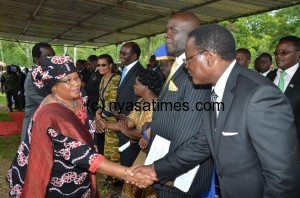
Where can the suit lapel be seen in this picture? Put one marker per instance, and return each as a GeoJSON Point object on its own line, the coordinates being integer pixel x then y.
{"type": "Point", "coordinates": [166, 87]}
{"type": "Point", "coordinates": [294, 82]}
{"type": "Point", "coordinates": [227, 99]}
{"type": "Point", "coordinates": [272, 75]}
{"type": "Point", "coordinates": [209, 129]}
{"type": "Point", "coordinates": [129, 74]}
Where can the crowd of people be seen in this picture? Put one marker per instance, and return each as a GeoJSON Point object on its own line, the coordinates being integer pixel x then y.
{"type": "Point", "coordinates": [12, 80]}
{"type": "Point", "coordinates": [95, 117]}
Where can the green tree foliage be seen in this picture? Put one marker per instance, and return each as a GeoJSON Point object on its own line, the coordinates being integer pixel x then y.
{"type": "Point", "coordinates": [259, 33]}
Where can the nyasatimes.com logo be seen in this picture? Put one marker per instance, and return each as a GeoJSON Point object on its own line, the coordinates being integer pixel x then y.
{"type": "Point", "coordinates": [157, 105]}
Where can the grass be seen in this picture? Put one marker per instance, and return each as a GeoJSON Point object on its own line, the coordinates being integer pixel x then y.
{"type": "Point", "coordinates": [4, 116]}
{"type": "Point", "coordinates": [2, 99]}
{"type": "Point", "coordinates": [9, 146]}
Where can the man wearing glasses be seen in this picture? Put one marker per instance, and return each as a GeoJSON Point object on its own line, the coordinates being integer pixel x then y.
{"type": "Point", "coordinates": [287, 76]}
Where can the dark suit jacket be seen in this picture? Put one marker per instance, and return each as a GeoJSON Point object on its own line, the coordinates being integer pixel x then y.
{"type": "Point", "coordinates": [157, 69]}
{"type": "Point", "coordinates": [33, 98]}
{"type": "Point", "coordinates": [179, 125]}
{"type": "Point", "coordinates": [292, 92]}
{"type": "Point", "coordinates": [262, 160]}
{"type": "Point", "coordinates": [125, 97]}
{"type": "Point", "coordinates": [92, 90]}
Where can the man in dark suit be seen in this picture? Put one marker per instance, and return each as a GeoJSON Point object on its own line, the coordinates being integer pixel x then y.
{"type": "Point", "coordinates": [154, 65]}
{"type": "Point", "coordinates": [34, 97]}
{"type": "Point", "coordinates": [180, 124]}
{"type": "Point", "coordinates": [287, 56]}
{"type": "Point", "coordinates": [92, 85]}
{"type": "Point", "coordinates": [129, 55]}
{"type": "Point", "coordinates": [252, 139]}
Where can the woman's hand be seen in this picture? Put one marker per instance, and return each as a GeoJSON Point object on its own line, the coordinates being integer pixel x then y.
{"type": "Point", "coordinates": [100, 122]}
{"type": "Point", "coordinates": [139, 179]}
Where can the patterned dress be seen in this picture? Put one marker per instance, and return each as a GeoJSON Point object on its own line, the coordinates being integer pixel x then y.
{"type": "Point", "coordinates": [130, 191]}
{"type": "Point", "coordinates": [108, 95]}
{"type": "Point", "coordinates": [57, 158]}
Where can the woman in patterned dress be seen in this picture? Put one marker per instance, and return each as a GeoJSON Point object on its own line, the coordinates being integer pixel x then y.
{"type": "Point", "coordinates": [148, 85]}
{"type": "Point", "coordinates": [108, 94]}
{"type": "Point", "coordinates": [57, 157]}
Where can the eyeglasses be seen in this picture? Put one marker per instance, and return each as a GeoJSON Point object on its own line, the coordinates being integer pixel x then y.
{"type": "Point", "coordinates": [101, 65]}
{"type": "Point", "coordinates": [284, 53]}
{"type": "Point", "coordinates": [185, 61]}
{"type": "Point", "coordinates": [70, 80]}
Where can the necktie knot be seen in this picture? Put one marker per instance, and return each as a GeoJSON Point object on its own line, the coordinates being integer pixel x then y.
{"type": "Point", "coordinates": [283, 73]}
{"type": "Point", "coordinates": [173, 68]}
{"type": "Point", "coordinates": [214, 96]}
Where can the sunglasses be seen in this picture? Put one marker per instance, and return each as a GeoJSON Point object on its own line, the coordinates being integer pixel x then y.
{"type": "Point", "coordinates": [101, 65]}
{"type": "Point", "coordinates": [284, 53]}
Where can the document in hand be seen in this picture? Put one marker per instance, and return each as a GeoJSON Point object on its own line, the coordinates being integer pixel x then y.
{"type": "Point", "coordinates": [159, 148]}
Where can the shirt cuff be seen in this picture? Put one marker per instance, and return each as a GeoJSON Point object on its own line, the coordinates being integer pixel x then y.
{"type": "Point", "coordinates": [96, 162]}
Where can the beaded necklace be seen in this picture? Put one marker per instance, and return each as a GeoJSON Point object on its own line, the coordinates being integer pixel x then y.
{"type": "Point", "coordinates": [64, 104]}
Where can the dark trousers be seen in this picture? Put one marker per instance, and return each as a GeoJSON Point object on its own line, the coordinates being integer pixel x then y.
{"type": "Point", "coordinates": [128, 156]}
{"type": "Point", "coordinates": [21, 99]}
{"type": "Point", "coordinates": [9, 95]}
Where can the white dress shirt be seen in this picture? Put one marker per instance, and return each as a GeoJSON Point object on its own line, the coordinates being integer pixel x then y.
{"type": "Point", "coordinates": [266, 73]}
{"type": "Point", "coordinates": [179, 61]}
{"type": "Point", "coordinates": [288, 77]}
{"type": "Point", "coordinates": [128, 67]}
{"type": "Point", "coordinates": [221, 83]}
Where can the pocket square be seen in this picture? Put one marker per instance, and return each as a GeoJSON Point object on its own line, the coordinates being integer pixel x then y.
{"type": "Point", "coordinates": [172, 86]}
{"type": "Point", "coordinates": [229, 133]}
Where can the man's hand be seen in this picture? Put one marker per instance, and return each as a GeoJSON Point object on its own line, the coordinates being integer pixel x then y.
{"type": "Point", "coordinates": [140, 178]}
{"type": "Point", "coordinates": [147, 170]}
{"type": "Point", "coordinates": [123, 124]}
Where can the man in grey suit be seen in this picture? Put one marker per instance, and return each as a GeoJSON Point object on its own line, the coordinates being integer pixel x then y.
{"type": "Point", "coordinates": [178, 124]}
{"type": "Point", "coordinates": [33, 97]}
{"type": "Point", "coordinates": [253, 141]}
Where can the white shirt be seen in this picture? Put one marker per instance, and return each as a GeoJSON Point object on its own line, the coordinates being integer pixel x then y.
{"type": "Point", "coordinates": [220, 85]}
{"type": "Point", "coordinates": [288, 77]}
{"type": "Point", "coordinates": [128, 67]}
{"type": "Point", "coordinates": [179, 61]}
{"type": "Point", "coordinates": [266, 73]}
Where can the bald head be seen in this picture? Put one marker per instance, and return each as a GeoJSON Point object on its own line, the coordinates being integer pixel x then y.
{"type": "Point", "coordinates": [189, 18]}
{"type": "Point", "coordinates": [178, 28]}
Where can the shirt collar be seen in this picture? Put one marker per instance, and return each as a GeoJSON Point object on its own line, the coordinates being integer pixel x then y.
{"type": "Point", "coordinates": [179, 59]}
{"type": "Point", "coordinates": [265, 73]}
{"type": "Point", "coordinates": [290, 71]}
{"type": "Point", "coordinates": [128, 67]}
{"type": "Point", "coordinates": [221, 83]}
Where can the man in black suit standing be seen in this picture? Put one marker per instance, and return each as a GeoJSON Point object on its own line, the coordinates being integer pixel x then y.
{"type": "Point", "coordinates": [287, 56]}
{"type": "Point", "coordinates": [179, 124]}
{"type": "Point", "coordinates": [252, 140]}
{"type": "Point", "coordinates": [129, 55]}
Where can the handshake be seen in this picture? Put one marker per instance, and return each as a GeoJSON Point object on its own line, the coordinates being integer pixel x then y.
{"type": "Point", "coordinates": [141, 176]}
